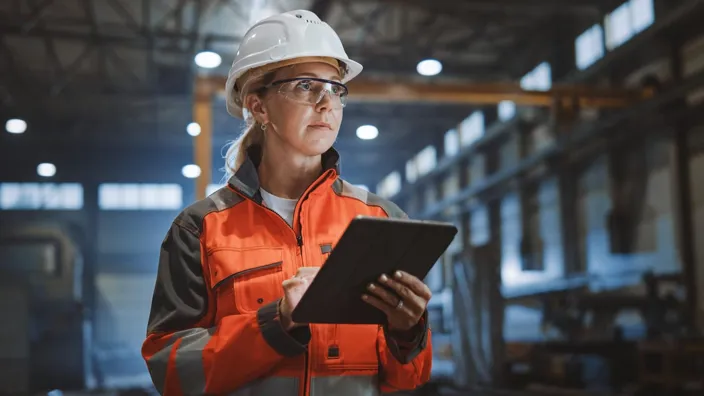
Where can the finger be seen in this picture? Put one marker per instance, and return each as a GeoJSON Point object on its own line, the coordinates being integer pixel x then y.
{"type": "Point", "coordinates": [410, 299]}
{"type": "Point", "coordinates": [293, 282]}
{"type": "Point", "coordinates": [398, 287]}
{"type": "Point", "coordinates": [413, 283]}
{"type": "Point", "coordinates": [377, 303]}
{"type": "Point", "coordinates": [307, 271]}
{"type": "Point", "coordinates": [383, 294]}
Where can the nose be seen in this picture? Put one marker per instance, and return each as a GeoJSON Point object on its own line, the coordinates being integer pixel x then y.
{"type": "Point", "coordinates": [324, 101]}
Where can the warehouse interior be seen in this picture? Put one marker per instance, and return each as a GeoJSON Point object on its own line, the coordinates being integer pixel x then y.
{"type": "Point", "coordinates": [564, 139]}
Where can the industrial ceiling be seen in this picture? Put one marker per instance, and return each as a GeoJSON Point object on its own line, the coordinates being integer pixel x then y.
{"type": "Point", "coordinates": [121, 72]}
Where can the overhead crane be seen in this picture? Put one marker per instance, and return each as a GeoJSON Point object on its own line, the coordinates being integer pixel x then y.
{"type": "Point", "coordinates": [558, 98]}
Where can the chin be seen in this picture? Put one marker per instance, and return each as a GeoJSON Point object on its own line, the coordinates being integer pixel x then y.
{"type": "Point", "coordinates": [316, 147]}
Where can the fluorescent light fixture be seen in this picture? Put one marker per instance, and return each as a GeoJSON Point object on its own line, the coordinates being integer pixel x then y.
{"type": "Point", "coordinates": [367, 132]}
{"type": "Point", "coordinates": [46, 169]}
{"type": "Point", "coordinates": [208, 59]}
{"type": "Point", "coordinates": [191, 171]}
{"type": "Point", "coordinates": [429, 67]}
{"type": "Point", "coordinates": [193, 129]}
{"type": "Point", "coordinates": [16, 126]}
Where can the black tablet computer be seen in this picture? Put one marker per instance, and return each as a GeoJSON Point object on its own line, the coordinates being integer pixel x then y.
{"type": "Point", "coordinates": [369, 247]}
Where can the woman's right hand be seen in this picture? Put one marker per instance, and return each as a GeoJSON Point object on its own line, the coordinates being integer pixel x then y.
{"type": "Point", "coordinates": [293, 291]}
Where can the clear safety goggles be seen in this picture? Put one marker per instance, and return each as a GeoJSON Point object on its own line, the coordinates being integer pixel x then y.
{"type": "Point", "coordinates": [309, 90]}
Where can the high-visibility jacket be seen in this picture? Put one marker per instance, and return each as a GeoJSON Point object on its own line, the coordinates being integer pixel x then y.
{"type": "Point", "coordinates": [214, 325]}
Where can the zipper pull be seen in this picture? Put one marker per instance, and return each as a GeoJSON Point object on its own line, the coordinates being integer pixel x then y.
{"type": "Point", "coordinates": [299, 239]}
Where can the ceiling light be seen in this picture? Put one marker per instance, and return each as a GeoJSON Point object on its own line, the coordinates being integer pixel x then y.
{"type": "Point", "coordinates": [191, 171]}
{"type": "Point", "coordinates": [208, 59]}
{"type": "Point", "coordinates": [429, 67]}
{"type": "Point", "coordinates": [16, 125]}
{"type": "Point", "coordinates": [193, 129]}
{"type": "Point", "coordinates": [46, 169]}
{"type": "Point", "coordinates": [367, 132]}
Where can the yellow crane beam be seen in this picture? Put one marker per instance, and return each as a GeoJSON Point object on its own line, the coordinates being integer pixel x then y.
{"type": "Point", "coordinates": [382, 91]}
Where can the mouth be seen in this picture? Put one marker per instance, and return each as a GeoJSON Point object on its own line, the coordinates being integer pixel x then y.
{"type": "Point", "coordinates": [323, 125]}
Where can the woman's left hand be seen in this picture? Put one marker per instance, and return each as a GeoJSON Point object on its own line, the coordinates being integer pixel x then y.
{"type": "Point", "coordinates": [405, 313]}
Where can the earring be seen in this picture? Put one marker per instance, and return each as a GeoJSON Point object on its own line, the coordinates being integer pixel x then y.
{"type": "Point", "coordinates": [263, 127]}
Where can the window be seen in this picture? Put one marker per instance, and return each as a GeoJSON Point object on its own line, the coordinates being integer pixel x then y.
{"type": "Point", "coordinates": [472, 128]}
{"type": "Point", "coordinates": [411, 170]}
{"type": "Point", "coordinates": [538, 79]}
{"type": "Point", "coordinates": [140, 196]}
{"type": "Point", "coordinates": [390, 185]}
{"type": "Point", "coordinates": [506, 110]}
{"type": "Point", "coordinates": [452, 143]}
{"type": "Point", "coordinates": [589, 47]}
{"type": "Point", "coordinates": [426, 160]}
{"type": "Point", "coordinates": [41, 196]}
{"type": "Point", "coordinates": [618, 26]}
{"type": "Point", "coordinates": [628, 20]}
{"type": "Point", "coordinates": [642, 14]}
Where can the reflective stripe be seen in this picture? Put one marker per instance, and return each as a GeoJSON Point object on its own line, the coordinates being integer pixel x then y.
{"type": "Point", "coordinates": [189, 359]}
{"type": "Point", "coordinates": [284, 386]}
{"type": "Point", "coordinates": [157, 364]}
{"type": "Point", "coordinates": [346, 385]}
{"type": "Point", "coordinates": [345, 189]}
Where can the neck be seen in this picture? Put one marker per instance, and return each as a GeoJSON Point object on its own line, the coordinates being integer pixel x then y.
{"type": "Point", "coordinates": [285, 175]}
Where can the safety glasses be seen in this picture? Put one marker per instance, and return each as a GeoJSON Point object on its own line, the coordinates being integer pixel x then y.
{"type": "Point", "coordinates": [309, 90]}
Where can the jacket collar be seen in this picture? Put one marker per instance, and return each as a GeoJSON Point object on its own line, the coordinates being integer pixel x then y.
{"type": "Point", "coordinates": [246, 178]}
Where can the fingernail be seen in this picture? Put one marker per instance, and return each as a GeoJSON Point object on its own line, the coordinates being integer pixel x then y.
{"type": "Point", "coordinates": [364, 297]}
{"type": "Point", "coordinates": [371, 286]}
{"type": "Point", "coordinates": [383, 278]}
{"type": "Point", "coordinates": [398, 274]}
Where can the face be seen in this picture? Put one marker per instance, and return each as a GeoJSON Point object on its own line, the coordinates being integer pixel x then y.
{"type": "Point", "coordinates": [306, 128]}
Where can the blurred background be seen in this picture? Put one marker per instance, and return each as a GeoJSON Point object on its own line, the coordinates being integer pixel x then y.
{"type": "Point", "coordinates": [563, 138]}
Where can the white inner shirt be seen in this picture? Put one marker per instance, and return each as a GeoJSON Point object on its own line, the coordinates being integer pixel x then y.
{"type": "Point", "coordinates": [283, 206]}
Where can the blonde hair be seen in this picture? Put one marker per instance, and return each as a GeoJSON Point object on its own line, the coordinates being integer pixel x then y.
{"type": "Point", "coordinates": [236, 153]}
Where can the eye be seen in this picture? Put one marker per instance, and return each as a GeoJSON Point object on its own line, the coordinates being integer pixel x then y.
{"type": "Point", "coordinates": [338, 90]}
{"type": "Point", "coordinates": [305, 85]}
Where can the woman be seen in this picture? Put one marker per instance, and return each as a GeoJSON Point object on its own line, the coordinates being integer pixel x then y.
{"type": "Point", "coordinates": [234, 265]}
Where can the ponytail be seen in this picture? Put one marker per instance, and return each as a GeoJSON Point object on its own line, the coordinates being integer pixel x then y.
{"type": "Point", "coordinates": [237, 152]}
{"type": "Point", "coordinates": [253, 133]}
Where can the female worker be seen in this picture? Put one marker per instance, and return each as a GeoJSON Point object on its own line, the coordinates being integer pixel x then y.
{"type": "Point", "coordinates": [234, 265]}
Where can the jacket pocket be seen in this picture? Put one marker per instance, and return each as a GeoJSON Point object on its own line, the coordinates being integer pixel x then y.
{"type": "Point", "coordinates": [353, 347]}
{"type": "Point", "coordinates": [253, 276]}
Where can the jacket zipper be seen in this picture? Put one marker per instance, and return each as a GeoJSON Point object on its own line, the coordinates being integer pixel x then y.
{"type": "Point", "coordinates": [299, 242]}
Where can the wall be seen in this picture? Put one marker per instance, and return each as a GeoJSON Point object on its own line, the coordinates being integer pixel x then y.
{"type": "Point", "coordinates": [128, 246]}
{"type": "Point", "coordinates": [697, 173]}
{"type": "Point", "coordinates": [657, 246]}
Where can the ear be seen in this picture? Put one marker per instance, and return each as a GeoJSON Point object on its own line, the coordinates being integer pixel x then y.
{"type": "Point", "coordinates": [256, 107]}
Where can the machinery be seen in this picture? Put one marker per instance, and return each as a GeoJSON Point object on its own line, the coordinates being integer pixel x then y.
{"type": "Point", "coordinates": [587, 345]}
{"type": "Point", "coordinates": [46, 344]}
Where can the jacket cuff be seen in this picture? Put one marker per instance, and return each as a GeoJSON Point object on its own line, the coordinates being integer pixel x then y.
{"type": "Point", "coordinates": [405, 348]}
{"type": "Point", "coordinates": [283, 342]}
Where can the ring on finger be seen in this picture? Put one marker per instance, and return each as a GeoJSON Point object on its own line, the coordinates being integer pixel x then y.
{"type": "Point", "coordinates": [399, 304]}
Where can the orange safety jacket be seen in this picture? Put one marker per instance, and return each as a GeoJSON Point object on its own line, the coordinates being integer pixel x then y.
{"type": "Point", "coordinates": [214, 325]}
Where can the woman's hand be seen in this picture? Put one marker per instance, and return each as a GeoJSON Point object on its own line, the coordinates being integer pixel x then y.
{"type": "Point", "coordinates": [293, 291]}
{"type": "Point", "coordinates": [405, 313]}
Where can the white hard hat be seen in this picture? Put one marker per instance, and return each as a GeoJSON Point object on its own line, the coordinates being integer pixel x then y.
{"type": "Point", "coordinates": [284, 37]}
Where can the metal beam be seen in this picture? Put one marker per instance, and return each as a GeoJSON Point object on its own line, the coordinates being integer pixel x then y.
{"type": "Point", "coordinates": [515, 7]}
{"type": "Point", "coordinates": [130, 39]}
{"type": "Point", "coordinates": [489, 94]}
{"type": "Point", "coordinates": [409, 91]}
